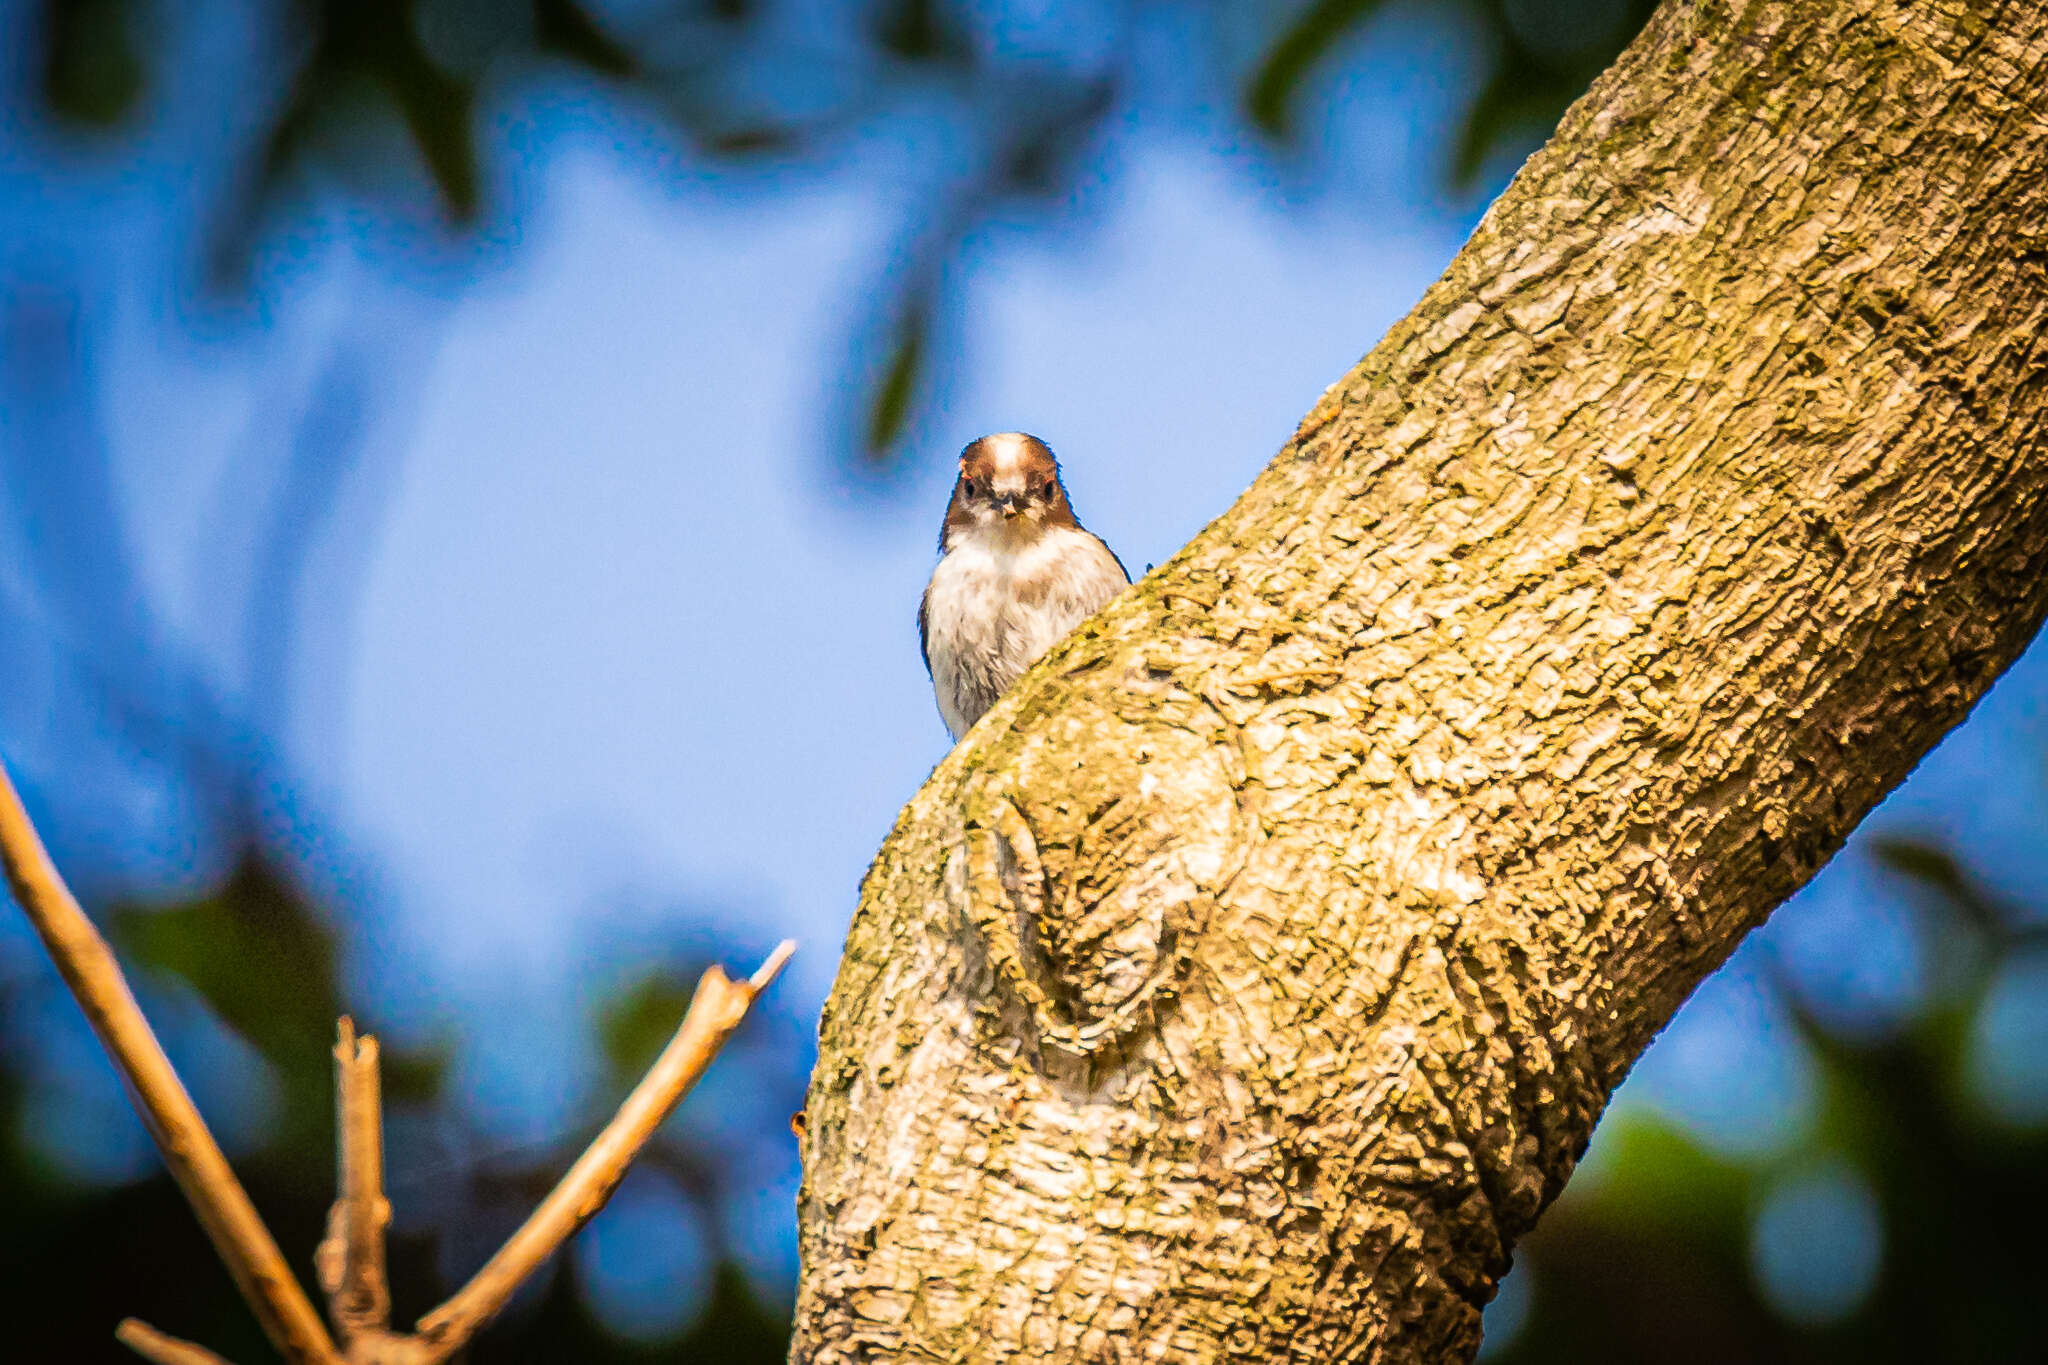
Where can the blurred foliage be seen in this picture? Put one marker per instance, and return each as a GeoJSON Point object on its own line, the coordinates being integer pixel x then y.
{"type": "Point", "coordinates": [890, 412]}
{"type": "Point", "coordinates": [1550, 52]}
{"type": "Point", "coordinates": [92, 62]}
{"type": "Point", "coordinates": [775, 85]}
{"type": "Point", "coordinates": [265, 961]}
{"type": "Point", "coordinates": [636, 1023]}
{"type": "Point", "coordinates": [1546, 53]}
{"type": "Point", "coordinates": [1653, 1258]}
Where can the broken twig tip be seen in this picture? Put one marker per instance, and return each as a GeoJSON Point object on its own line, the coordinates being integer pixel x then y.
{"type": "Point", "coordinates": [715, 1011]}
{"type": "Point", "coordinates": [772, 968]}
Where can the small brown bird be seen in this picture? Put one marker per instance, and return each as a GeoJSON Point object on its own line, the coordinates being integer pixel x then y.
{"type": "Point", "coordinates": [1016, 573]}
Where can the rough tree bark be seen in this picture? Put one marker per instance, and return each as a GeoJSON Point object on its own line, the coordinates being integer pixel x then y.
{"type": "Point", "coordinates": [1254, 974]}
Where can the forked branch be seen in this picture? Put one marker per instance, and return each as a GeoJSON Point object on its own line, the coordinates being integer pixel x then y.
{"type": "Point", "coordinates": [350, 1261]}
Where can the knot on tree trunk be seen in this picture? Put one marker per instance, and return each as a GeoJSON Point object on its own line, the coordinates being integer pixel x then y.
{"type": "Point", "coordinates": [1083, 897]}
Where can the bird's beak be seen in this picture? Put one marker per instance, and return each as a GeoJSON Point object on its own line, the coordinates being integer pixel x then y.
{"type": "Point", "coordinates": [1010, 504]}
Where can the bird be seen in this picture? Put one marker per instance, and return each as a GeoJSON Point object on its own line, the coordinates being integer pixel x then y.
{"type": "Point", "coordinates": [1016, 573]}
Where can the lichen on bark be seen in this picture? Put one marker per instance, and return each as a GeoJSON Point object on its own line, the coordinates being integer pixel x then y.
{"type": "Point", "coordinates": [1254, 973]}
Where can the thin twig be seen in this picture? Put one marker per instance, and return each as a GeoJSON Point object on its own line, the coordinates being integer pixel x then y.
{"type": "Point", "coordinates": [715, 1011]}
{"type": "Point", "coordinates": [189, 1151]}
{"type": "Point", "coordinates": [359, 1298]}
{"type": "Point", "coordinates": [139, 1337]}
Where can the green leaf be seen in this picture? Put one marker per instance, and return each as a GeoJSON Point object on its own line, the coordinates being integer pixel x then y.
{"type": "Point", "coordinates": [1937, 870]}
{"type": "Point", "coordinates": [255, 950]}
{"type": "Point", "coordinates": [437, 111]}
{"type": "Point", "coordinates": [413, 1077]}
{"type": "Point", "coordinates": [264, 961]}
{"type": "Point", "coordinates": [915, 31]}
{"type": "Point", "coordinates": [637, 1023]}
{"type": "Point", "coordinates": [896, 395]}
{"type": "Point", "coordinates": [760, 139]}
{"type": "Point", "coordinates": [567, 30]}
{"type": "Point", "coordinates": [1655, 1176]}
{"type": "Point", "coordinates": [260, 957]}
{"type": "Point", "coordinates": [92, 68]}
{"type": "Point", "coordinates": [1520, 100]}
{"type": "Point", "coordinates": [1269, 98]}
{"type": "Point", "coordinates": [373, 43]}
{"type": "Point", "coordinates": [1924, 863]}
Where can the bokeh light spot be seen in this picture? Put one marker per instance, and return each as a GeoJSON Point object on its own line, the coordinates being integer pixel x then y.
{"type": "Point", "coordinates": [642, 1263]}
{"type": "Point", "coordinates": [1855, 949]}
{"type": "Point", "coordinates": [1817, 1244]}
{"type": "Point", "coordinates": [1731, 1069]}
{"type": "Point", "coordinates": [2007, 1063]}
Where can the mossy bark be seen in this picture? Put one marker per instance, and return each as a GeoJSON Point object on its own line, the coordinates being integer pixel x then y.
{"type": "Point", "coordinates": [1253, 975]}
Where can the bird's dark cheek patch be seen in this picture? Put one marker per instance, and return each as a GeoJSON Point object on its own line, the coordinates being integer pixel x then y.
{"type": "Point", "coordinates": [1085, 892]}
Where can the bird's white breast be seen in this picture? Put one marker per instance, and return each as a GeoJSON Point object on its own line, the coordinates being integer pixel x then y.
{"type": "Point", "coordinates": [994, 610]}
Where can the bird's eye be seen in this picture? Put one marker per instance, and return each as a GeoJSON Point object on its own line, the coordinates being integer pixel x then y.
{"type": "Point", "coordinates": [970, 488]}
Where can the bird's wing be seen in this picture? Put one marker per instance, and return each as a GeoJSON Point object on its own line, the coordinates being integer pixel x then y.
{"type": "Point", "coordinates": [1112, 554]}
{"type": "Point", "coordinates": [924, 637]}
{"type": "Point", "coordinates": [1105, 549]}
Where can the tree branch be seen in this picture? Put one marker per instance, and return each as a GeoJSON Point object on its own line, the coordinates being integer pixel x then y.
{"type": "Point", "coordinates": [139, 1337]}
{"type": "Point", "coordinates": [189, 1151]}
{"type": "Point", "coordinates": [715, 1011]}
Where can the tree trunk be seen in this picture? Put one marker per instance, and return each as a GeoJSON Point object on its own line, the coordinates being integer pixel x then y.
{"type": "Point", "coordinates": [1254, 974]}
